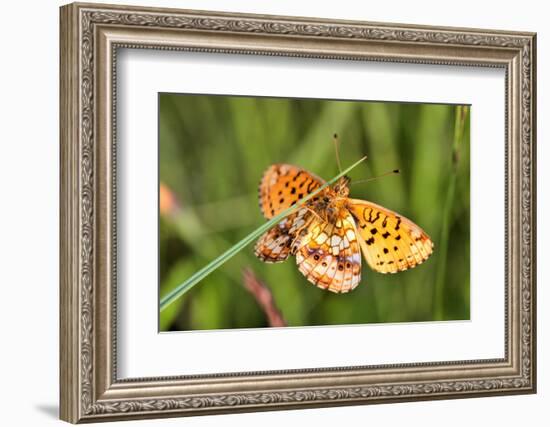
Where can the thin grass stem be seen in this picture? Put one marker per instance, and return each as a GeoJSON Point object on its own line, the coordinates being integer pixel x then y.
{"type": "Point", "coordinates": [441, 273]}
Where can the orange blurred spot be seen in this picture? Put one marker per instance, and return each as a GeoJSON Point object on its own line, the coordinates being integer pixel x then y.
{"type": "Point", "coordinates": [167, 200]}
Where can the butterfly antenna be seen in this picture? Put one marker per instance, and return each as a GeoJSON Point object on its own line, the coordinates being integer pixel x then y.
{"type": "Point", "coordinates": [362, 181]}
{"type": "Point", "coordinates": [337, 149]}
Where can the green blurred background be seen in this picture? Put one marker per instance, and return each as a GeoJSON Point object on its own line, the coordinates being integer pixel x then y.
{"type": "Point", "coordinates": [213, 152]}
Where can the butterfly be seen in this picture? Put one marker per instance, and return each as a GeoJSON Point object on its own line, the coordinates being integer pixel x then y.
{"type": "Point", "coordinates": [328, 233]}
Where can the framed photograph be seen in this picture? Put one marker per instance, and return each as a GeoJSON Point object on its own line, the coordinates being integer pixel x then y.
{"type": "Point", "coordinates": [266, 212]}
{"type": "Point", "coordinates": [332, 234]}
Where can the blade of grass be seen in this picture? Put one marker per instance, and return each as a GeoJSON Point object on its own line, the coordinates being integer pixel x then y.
{"type": "Point", "coordinates": [205, 271]}
{"type": "Point", "coordinates": [460, 119]}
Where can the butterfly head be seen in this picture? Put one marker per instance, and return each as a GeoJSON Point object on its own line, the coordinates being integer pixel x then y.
{"type": "Point", "coordinates": [341, 188]}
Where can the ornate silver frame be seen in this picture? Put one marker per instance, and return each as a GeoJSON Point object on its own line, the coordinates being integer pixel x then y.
{"type": "Point", "coordinates": [90, 36]}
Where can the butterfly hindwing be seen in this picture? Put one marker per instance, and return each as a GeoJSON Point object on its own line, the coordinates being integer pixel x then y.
{"type": "Point", "coordinates": [275, 244]}
{"type": "Point", "coordinates": [390, 242]}
{"type": "Point", "coordinates": [283, 185]}
{"type": "Point", "coordinates": [329, 255]}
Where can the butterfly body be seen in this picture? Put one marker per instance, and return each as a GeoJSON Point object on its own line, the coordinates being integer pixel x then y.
{"type": "Point", "coordinates": [332, 203]}
{"type": "Point", "coordinates": [328, 233]}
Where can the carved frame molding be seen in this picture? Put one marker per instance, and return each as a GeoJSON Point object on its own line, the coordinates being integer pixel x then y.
{"type": "Point", "coordinates": [90, 37]}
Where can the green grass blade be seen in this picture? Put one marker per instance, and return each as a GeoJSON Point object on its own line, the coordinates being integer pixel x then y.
{"type": "Point", "coordinates": [216, 263]}
{"type": "Point", "coordinates": [460, 119]}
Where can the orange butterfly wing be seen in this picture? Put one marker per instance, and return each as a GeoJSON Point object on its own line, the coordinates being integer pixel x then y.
{"type": "Point", "coordinates": [275, 245]}
{"type": "Point", "coordinates": [390, 242]}
{"type": "Point", "coordinates": [329, 255]}
{"type": "Point", "coordinates": [283, 185]}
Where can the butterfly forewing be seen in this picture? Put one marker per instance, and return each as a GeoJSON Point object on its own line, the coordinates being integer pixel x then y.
{"type": "Point", "coordinates": [390, 242]}
{"type": "Point", "coordinates": [283, 185]}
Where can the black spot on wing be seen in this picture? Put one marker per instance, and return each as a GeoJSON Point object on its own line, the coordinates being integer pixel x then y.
{"type": "Point", "coordinates": [311, 186]}
{"type": "Point", "coordinates": [398, 223]}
